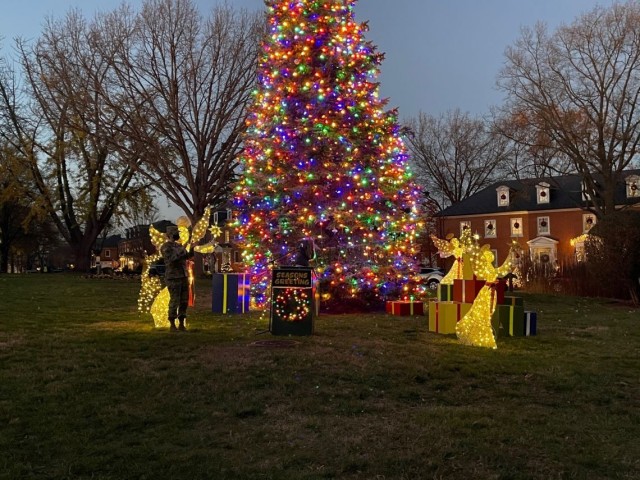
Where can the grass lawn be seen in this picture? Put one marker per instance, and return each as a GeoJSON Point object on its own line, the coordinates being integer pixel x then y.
{"type": "Point", "coordinates": [90, 390]}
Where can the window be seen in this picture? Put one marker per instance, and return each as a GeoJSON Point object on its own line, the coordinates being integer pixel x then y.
{"type": "Point", "coordinates": [544, 228]}
{"type": "Point", "coordinates": [236, 256]}
{"type": "Point", "coordinates": [543, 192]}
{"type": "Point", "coordinates": [227, 236]}
{"type": "Point", "coordinates": [490, 229]}
{"type": "Point", "coordinates": [495, 257]}
{"type": "Point", "coordinates": [516, 227]}
{"type": "Point", "coordinates": [107, 254]}
{"type": "Point", "coordinates": [503, 196]}
{"type": "Point", "coordinates": [633, 186]}
{"type": "Point", "coordinates": [464, 226]}
{"type": "Point", "coordinates": [588, 221]}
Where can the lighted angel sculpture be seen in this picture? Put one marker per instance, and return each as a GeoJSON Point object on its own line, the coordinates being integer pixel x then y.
{"type": "Point", "coordinates": [475, 327]}
{"type": "Point", "coordinates": [155, 299]}
{"type": "Point", "coordinates": [456, 247]}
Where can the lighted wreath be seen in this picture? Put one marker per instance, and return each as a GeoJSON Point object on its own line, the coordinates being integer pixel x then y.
{"type": "Point", "coordinates": [292, 305]}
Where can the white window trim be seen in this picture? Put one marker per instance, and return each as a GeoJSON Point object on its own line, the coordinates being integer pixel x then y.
{"type": "Point", "coordinates": [464, 223]}
{"type": "Point", "coordinates": [633, 181]}
{"type": "Point", "coordinates": [544, 230]}
{"type": "Point", "coordinates": [490, 233]}
{"type": "Point", "coordinates": [516, 231]}
{"type": "Point", "coordinates": [540, 188]}
{"type": "Point", "coordinates": [503, 190]}
{"type": "Point", "coordinates": [586, 226]}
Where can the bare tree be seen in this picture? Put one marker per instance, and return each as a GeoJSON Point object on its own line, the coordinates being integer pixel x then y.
{"type": "Point", "coordinates": [185, 85]}
{"type": "Point", "coordinates": [529, 155]}
{"type": "Point", "coordinates": [576, 91]}
{"type": "Point", "coordinates": [65, 132]}
{"type": "Point", "coordinates": [454, 155]}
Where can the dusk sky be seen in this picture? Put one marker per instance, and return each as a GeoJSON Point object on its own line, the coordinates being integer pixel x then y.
{"type": "Point", "coordinates": [439, 54]}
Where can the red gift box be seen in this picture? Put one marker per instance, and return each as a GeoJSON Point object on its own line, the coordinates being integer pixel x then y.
{"type": "Point", "coordinates": [466, 291]}
{"type": "Point", "coordinates": [405, 308]}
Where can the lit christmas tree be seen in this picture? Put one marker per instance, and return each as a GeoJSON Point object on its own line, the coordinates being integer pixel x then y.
{"type": "Point", "coordinates": [323, 159]}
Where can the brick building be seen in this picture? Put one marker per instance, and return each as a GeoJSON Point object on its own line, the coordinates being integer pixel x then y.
{"type": "Point", "coordinates": [547, 217]}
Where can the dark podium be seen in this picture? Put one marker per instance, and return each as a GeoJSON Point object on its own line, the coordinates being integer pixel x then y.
{"type": "Point", "coordinates": [292, 301]}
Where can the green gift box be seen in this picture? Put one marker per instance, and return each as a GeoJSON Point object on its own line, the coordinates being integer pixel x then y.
{"type": "Point", "coordinates": [445, 292]}
{"type": "Point", "coordinates": [509, 320]}
{"type": "Point", "coordinates": [512, 300]}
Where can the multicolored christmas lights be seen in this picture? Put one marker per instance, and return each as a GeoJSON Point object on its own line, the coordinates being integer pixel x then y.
{"type": "Point", "coordinates": [323, 159]}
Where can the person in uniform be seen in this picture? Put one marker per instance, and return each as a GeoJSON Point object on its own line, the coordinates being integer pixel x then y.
{"type": "Point", "coordinates": [176, 277]}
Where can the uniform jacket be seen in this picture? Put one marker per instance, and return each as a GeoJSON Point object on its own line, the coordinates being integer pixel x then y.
{"type": "Point", "coordinates": [175, 260]}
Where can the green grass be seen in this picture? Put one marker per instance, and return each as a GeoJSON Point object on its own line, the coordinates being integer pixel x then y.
{"type": "Point", "coordinates": [89, 389]}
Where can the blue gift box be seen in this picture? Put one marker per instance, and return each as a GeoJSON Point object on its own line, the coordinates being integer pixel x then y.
{"type": "Point", "coordinates": [230, 293]}
{"type": "Point", "coordinates": [530, 323]}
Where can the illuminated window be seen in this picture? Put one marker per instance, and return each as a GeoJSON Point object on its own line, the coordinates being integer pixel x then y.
{"type": "Point", "coordinates": [227, 236]}
{"type": "Point", "coordinates": [544, 227]}
{"type": "Point", "coordinates": [464, 226]}
{"type": "Point", "coordinates": [543, 193]}
{"type": "Point", "coordinates": [503, 196]}
{"type": "Point", "coordinates": [633, 186]}
{"type": "Point", "coordinates": [490, 229]}
{"type": "Point", "coordinates": [588, 221]}
{"type": "Point", "coordinates": [516, 227]}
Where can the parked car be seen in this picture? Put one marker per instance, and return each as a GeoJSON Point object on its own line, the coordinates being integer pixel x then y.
{"type": "Point", "coordinates": [431, 276]}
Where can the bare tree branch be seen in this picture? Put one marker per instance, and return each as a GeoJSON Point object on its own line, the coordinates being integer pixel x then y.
{"type": "Point", "coordinates": [576, 93]}
{"type": "Point", "coordinates": [454, 155]}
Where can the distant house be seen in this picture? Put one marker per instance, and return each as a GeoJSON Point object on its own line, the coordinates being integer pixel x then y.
{"type": "Point", "coordinates": [136, 244]}
{"type": "Point", "coordinates": [107, 257]}
{"type": "Point", "coordinates": [547, 217]}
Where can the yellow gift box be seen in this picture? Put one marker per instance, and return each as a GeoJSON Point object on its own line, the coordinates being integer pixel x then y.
{"type": "Point", "coordinates": [443, 316]}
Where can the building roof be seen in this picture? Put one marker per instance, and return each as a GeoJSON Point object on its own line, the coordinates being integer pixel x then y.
{"type": "Point", "coordinates": [111, 241]}
{"type": "Point", "coordinates": [565, 192]}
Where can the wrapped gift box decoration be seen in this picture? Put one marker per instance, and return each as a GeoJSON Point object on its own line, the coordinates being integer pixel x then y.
{"type": "Point", "coordinates": [466, 291]}
{"type": "Point", "coordinates": [530, 323]}
{"type": "Point", "coordinates": [443, 316]}
{"type": "Point", "coordinates": [230, 293]}
{"type": "Point", "coordinates": [467, 266]}
{"type": "Point", "coordinates": [388, 306]}
{"type": "Point", "coordinates": [406, 308]}
{"type": "Point", "coordinates": [510, 319]}
{"type": "Point", "coordinates": [513, 300]}
{"type": "Point", "coordinates": [445, 292]}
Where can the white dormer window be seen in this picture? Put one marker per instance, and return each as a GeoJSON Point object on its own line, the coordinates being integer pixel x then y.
{"type": "Point", "coordinates": [588, 221]}
{"type": "Point", "coordinates": [543, 193]}
{"type": "Point", "coordinates": [585, 195]}
{"type": "Point", "coordinates": [633, 186]}
{"type": "Point", "coordinates": [503, 196]}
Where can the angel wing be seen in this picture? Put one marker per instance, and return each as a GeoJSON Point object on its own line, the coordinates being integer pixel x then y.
{"type": "Point", "coordinates": [157, 237]}
{"type": "Point", "coordinates": [445, 247]}
{"type": "Point", "coordinates": [200, 228]}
